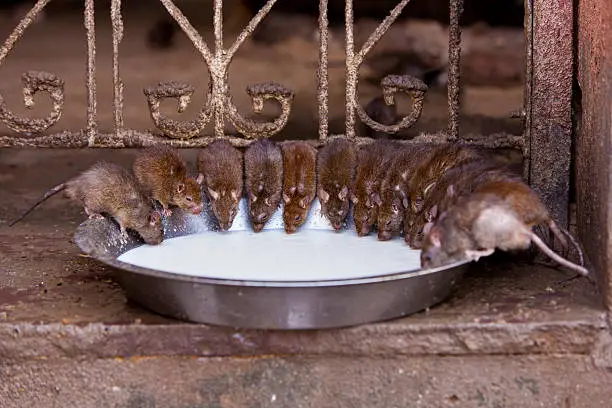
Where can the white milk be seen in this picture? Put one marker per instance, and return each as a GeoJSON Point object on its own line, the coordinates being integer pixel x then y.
{"type": "Point", "coordinates": [272, 255]}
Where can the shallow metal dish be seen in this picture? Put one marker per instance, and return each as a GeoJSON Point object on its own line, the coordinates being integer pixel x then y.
{"type": "Point", "coordinates": [264, 304]}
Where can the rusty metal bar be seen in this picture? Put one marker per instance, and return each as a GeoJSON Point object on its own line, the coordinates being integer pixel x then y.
{"type": "Point", "coordinates": [550, 127]}
{"type": "Point", "coordinates": [390, 84]}
{"type": "Point", "coordinates": [351, 71]}
{"type": "Point", "coordinates": [131, 138]}
{"type": "Point", "coordinates": [21, 27]}
{"type": "Point", "coordinates": [454, 60]}
{"type": "Point", "coordinates": [219, 71]}
{"type": "Point", "coordinates": [90, 30]}
{"type": "Point", "coordinates": [117, 23]}
{"type": "Point", "coordinates": [322, 74]}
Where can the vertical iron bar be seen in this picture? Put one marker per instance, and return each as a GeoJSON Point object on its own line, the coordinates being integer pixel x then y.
{"type": "Point", "coordinates": [117, 24]}
{"type": "Point", "coordinates": [322, 74]}
{"type": "Point", "coordinates": [454, 59]}
{"type": "Point", "coordinates": [528, 24]}
{"type": "Point", "coordinates": [351, 71]}
{"type": "Point", "coordinates": [218, 71]}
{"type": "Point", "coordinates": [90, 29]}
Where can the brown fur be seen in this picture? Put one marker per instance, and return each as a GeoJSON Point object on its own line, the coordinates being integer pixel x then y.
{"type": "Point", "coordinates": [394, 190]}
{"type": "Point", "coordinates": [458, 181]}
{"type": "Point", "coordinates": [432, 167]}
{"type": "Point", "coordinates": [336, 164]}
{"type": "Point", "coordinates": [221, 167]}
{"type": "Point", "coordinates": [162, 175]}
{"type": "Point", "coordinates": [299, 184]}
{"type": "Point", "coordinates": [263, 168]}
{"type": "Point", "coordinates": [373, 162]}
{"type": "Point", "coordinates": [106, 188]}
{"type": "Point", "coordinates": [487, 220]}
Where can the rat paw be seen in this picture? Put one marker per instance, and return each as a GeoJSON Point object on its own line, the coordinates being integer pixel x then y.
{"type": "Point", "coordinates": [166, 212]}
{"type": "Point", "coordinates": [96, 216]}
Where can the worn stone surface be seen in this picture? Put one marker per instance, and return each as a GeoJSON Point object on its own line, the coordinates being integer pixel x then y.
{"type": "Point", "coordinates": [484, 381]}
{"type": "Point", "coordinates": [594, 132]}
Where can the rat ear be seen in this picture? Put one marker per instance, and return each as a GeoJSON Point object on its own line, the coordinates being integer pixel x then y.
{"type": "Point", "coordinates": [292, 190]}
{"type": "Point", "coordinates": [300, 188]}
{"type": "Point", "coordinates": [343, 193]}
{"type": "Point", "coordinates": [405, 203]}
{"type": "Point", "coordinates": [286, 198]}
{"type": "Point", "coordinates": [376, 199]}
{"type": "Point", "coordinates": [354, 199]}
{"type": "Point", "coordinates": [395, 208]}
{"type": "Point", "coordinates": [431, 213]}
{"type": "Point", "coordinates": [252, 198]}
{"type": "Point", "coordinates": [234, 194]}
{"type": "Point", "coordinates": [435, 236]}
{"type": "Point", "coordinates": [200, 178]}
{"type": "Point", "coordinates": [417, 204]}
{"type": "Point", "coordinates": [260, 187]}
{"type": "Point", "coordinates": [450, 191]}
{"type": "Point", "coordinates": [267, 201]}
{"type": "Point", "coordinates": [304, 202]}
{"type": "Point", "coordinates": [154, 218]}
{"type": "Point", "coordinates": [427, 228]}
{"type": "Point", "coordinates": [213, 194]}
{"type": "Point", "coordinates": [323, 196]}
{"type": "Point", "coordinates": [180, 187]}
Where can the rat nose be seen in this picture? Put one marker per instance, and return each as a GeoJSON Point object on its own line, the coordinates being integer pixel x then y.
{"type": "Point", "coordinates": [197, 209]}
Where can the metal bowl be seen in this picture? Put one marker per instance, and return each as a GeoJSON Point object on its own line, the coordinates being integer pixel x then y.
{"type": "Point", "coordinates": [263, 304]}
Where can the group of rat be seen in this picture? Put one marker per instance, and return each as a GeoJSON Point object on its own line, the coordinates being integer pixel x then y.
{"type": "Point", "coordinates": [453, 202]}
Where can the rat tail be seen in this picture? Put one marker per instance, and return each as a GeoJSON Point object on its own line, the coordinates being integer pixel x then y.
{"type": "Point", "coordinates": [555, 257]}
{"type": "Point", "coordinates": [48, 194]}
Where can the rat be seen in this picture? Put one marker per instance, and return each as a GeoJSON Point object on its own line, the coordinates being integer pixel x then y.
{"type": "Point", "coordinates": [162, 175]}
{"type": "Point", "coordinates": [221, 167]}
{"type": "Point", "coordinates": [378, 110]}
{"type": "Point", "coordinates": [431, 168]}
{"type": "Point", "coordinates": [475, 227]}
{"type": "Point", "coordinates": [336, 163]}
{"type": "Point", "coordinates": [263, 168]}
{"type": "Point", "coordinates": [373, 161]}
{"type": "Point", "coordinates": [394, 190]}
{"type": "Point", "coordinates": [299, 182]}
{"type": "Point", "coordinates": [107, 188]}
{"type": "Point", "coordinates": [457, 181]}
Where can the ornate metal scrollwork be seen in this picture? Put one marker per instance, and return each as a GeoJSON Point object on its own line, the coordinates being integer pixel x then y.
{"type": "Point", "coordinates": [392, 84]}
{"type": "Point", "coordinates": [259, 93]}
{"type": "Point", "coordinates": [218, 103]}
{"type": "Point", "coordinates": [33, 82]}
{"type": "Point", "coordinates": [182, 92]}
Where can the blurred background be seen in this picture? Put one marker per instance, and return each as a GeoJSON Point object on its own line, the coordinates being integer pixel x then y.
{"type": "Point", "coordinates": [284, 49]}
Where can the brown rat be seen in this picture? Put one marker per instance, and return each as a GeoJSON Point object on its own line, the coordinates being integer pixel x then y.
{"type": "Point", "coordinates": [299, 182]}
{"type": "Point", "coordinates": [336, 163]}
{"type": "Point", "coordinates": [162, 174]}
{"type": "Point", "coordinates": [221, 166]}
{"type": "Point", "coordinates": [106, 188]}
{"type": "Point", "coordinates": [394, 190]}
{"type": "Point", "coordinates": [457, 181]}
{"type": "Point", "coordinates": [373, 161]}
{"type": "Point", "coordinates": [263, 168]}
{"type": "Point", "coordinates": [378, 110]}
{"type": "Point", "coordinates": [432, 167]}
{"type": "Point", "coordinates": [477, 225]}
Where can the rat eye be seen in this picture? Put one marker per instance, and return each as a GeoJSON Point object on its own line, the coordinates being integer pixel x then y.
{"type": "Point", "coordinates": [394, 208]}
{"type": "Point", "coordinates": [188, 198]}
{"type": "Point", "coordinates": [298, 217]}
